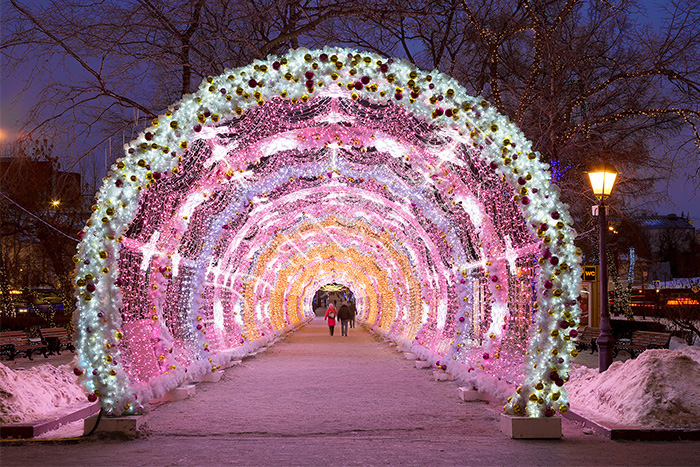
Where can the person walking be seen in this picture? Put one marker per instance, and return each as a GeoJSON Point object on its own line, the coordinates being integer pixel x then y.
{"type": "Point", "coordinates": [353, 310]}
{"type": "Point", "coordinates": [344, 316]}
{"type": "Point", "coordinates": [330, 316]}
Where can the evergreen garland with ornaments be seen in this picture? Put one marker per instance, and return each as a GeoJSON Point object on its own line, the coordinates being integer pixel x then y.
{"type": "Point", "coordinates": [211, 235]}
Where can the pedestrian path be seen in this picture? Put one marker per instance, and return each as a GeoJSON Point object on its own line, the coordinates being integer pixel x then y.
{"type": "Point", "coordinates": [318, 400]}
{"type": "Point", "coordinates": [320, 385]}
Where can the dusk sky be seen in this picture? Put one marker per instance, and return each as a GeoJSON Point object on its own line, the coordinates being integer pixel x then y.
{"type": "Point", "coordinates": [684, 195]}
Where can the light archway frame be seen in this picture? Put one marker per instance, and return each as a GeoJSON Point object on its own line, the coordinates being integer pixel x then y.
{"type": "Point", "coordinates": [211, 235]}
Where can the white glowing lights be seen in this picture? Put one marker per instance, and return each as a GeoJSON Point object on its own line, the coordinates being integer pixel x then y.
{"type": "Point", "coordinates": [212, 234]}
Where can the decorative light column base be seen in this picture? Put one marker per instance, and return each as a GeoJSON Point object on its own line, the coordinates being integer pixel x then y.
{"type": "Point", "coordinates": [212, 376]}
{"type": "Point", "coordinates": [181, 393]}
{"type": "Point", "coordinates": [439, 375]}
{"type": "Point", "coordinates": [123, 427]}
{"type": "Point", "coordinates": [468, 394]}
{"type": "Point", "coordinates": [207, 377]}
{"type": "Point", "coordinates": [531, 428]}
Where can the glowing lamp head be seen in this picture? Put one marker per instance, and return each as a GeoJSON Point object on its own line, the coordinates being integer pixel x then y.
{"type": "Point", "coordinates": [602, 180]}
{"type": "Point", "coordinates": [56, 203]}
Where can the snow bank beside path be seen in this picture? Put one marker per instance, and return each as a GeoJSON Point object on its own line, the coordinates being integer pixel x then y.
{"type": "Point", "coordinates": [37, 393]}
{"type": "Point", "coordinates": [660, 388]}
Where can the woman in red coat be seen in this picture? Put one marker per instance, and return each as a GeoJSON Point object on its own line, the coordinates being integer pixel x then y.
{"type": "Point", "coordinates": [330, 316]}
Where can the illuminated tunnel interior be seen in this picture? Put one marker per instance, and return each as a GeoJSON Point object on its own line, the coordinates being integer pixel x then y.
{"type": "Point", "coordinates": [211, 236]}
{"type": "Point", "coordinates": [335, 293]}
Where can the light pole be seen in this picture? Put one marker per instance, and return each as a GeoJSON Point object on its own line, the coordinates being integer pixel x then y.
{"type": "Point", "coordinates": [602, 181]}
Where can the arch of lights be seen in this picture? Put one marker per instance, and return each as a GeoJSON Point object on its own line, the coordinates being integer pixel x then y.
{"type": "Point", "coordinates": [211, 235]}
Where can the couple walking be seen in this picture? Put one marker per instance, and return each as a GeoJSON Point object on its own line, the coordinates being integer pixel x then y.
{"type": "Point", "coordinates": [346, 315]}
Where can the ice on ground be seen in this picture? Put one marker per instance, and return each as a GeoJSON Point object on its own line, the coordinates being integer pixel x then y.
{"type": "Point", "coordinates": [660, 388]}
{"type": "Point", "coordinates": [37, 393]}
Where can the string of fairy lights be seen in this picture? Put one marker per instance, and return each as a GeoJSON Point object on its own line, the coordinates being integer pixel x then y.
{"type": "Point", "coordinates": [211, 235]}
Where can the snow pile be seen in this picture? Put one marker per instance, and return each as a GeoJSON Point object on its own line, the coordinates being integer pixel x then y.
{"type": "Point", "coordinates": [37, 393]}
{"type": "Point", "coordinates": [660, 388]}
{"type": "Point", "coordinates": [693, 351]}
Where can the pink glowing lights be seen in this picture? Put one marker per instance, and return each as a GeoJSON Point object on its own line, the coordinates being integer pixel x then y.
{"type": "Point", "coordinates": [212, 234]}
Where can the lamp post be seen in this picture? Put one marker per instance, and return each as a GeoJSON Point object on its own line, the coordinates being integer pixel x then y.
{"type": "Point", "coordinates": [602, 181]}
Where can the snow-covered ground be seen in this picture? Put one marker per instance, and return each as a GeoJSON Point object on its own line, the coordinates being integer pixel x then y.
{"type": "Point", "coordinates": [37, 393]}
{"type": "Point", "coordinates": [660, 388]}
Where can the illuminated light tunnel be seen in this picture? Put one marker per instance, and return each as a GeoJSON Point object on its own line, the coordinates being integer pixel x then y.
{"type": "Point", "coordinates": [210, 237]}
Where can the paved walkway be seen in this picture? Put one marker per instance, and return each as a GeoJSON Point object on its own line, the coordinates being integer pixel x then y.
{"type": "Point", "coordinates": [314, 399]}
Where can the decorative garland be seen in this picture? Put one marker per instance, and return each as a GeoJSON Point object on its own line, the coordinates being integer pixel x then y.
{"type": "Point", "coordinates": [414, 237]}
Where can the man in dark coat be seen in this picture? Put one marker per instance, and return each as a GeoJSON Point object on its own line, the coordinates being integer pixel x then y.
{"type": "Point", "coordinates": [344, 316]}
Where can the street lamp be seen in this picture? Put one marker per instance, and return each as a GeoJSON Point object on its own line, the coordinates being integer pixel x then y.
{"type": "Point", "coordinates": [602, 181]}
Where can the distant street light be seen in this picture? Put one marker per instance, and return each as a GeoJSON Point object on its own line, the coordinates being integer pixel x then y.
{"type": "Point", "coordinates": [602, 181]}
{"type": "Point", "coordinates": [56, 203]}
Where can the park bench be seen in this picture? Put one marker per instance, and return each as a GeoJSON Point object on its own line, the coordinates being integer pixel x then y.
{"type": "Point", "coordinates": [587, 337]}
{"type": "Point", "coordinates": [57, 338]}
{"type": "Point", "coordinates": [643, 340]}
{"type": "Point", "coordinates": [13, 343]}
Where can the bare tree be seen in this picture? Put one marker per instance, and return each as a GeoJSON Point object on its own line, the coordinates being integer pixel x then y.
{"type": "Point", "coordinates": [585, 80]}
{"type": "Point", "coordinates": [582, 79]}
{"type": "Point", "coordinates": [677, 247]}
{"type": "Point", "coordinates": [108, 67]}
{"type": "Point", "coordinates": [41, 210]}
{"type": "Point", "coordinates": [681, 313]}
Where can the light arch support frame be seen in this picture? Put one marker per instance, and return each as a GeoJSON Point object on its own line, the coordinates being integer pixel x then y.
{"type": "Point", "coordinates": [299, 77]}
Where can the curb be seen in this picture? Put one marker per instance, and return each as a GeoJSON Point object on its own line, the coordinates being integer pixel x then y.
{"type": "Point", "coordinates": [628, 433]}
{"type": "Point", "coordinates": [34, 429]}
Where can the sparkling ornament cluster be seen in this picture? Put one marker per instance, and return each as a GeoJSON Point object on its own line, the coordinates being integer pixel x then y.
{"type": "Point", "coordinates": [210, 237]}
